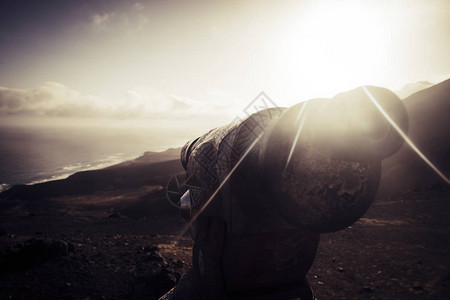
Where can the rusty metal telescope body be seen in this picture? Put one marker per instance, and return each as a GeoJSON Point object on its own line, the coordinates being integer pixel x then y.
{"type": "Point", "coordinates": [282, 177]}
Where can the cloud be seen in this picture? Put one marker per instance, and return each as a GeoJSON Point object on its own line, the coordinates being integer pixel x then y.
{"type": "Point", "coordinates": [138, 7]}
{"type": "Point", "coordinates": [57, 100]}
{"type": "Point", "coordinates": [101, 22]}
{"type": "Point", "coordinates": [132, 18]}
{"type": "Point", "coordinates": [135, 18]}
{"type": "Point", "coordinates": [50, 99]}
{"type": "Point", "coordinates": [147, 102]}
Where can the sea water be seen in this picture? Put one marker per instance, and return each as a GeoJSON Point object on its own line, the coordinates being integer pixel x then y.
{"type": "Point", "coordinates": [30, 155]}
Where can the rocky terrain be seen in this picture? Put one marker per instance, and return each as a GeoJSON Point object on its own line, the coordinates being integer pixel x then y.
{"type": "Point", "coordinates": [400, 249]}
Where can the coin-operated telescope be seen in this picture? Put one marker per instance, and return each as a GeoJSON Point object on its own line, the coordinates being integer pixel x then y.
{"type": "Point", "coordinates": [263, 189]}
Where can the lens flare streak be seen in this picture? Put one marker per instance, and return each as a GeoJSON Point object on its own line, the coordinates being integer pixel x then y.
{"type": "Point", "coordinates": [300, 127]}
{"type": "Point", "coordinates": [405, 137]}
{"type": "Point", "coordinates": [186, 228]}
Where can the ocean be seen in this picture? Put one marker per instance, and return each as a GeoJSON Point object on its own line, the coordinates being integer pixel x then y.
{"type": "Point", "coordinates": [33, 155]}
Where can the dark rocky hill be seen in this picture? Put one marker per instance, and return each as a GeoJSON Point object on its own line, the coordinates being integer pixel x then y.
{"type": "Point", "coordinates": [429, 130]}
{"type": "Point", "coordinates": [134, 188]}
{"type": "Point", "coordinates": [152, 168]}
{"type": "Point", "coordinates": [132, 175]}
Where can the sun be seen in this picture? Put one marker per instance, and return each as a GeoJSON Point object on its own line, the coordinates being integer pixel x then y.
{"type": "Point", "coordinates": [332, 47]}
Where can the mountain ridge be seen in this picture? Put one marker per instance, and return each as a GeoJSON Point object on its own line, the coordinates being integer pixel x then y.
{"type": "Point", "coordinates": [429, 130]}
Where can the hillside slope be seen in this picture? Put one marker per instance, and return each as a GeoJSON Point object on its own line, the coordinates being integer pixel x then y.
{"type": "Point", "coordinates": [429, 130]}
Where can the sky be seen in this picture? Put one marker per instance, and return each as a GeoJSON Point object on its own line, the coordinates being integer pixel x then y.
{"type": "Point", "coordinates": [192, 65]}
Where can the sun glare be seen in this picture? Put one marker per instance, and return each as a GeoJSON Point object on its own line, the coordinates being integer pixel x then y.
{"type": "Point", "coordinates": [334, 47]}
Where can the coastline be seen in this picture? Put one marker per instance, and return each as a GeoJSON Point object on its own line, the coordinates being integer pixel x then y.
{"type": "Point", "coordinates": [66, 171]}
{"type": "Point", "coordinates": [107, 162]}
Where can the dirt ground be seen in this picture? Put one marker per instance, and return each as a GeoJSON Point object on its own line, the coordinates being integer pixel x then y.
{"type": "Point", "coordinates": [399, 250]}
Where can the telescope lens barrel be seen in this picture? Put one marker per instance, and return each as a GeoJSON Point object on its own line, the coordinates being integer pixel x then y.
{"type": "Point", "coordinates": [351, 125]}
{"type": "Point", "coordinates": [321, 161]}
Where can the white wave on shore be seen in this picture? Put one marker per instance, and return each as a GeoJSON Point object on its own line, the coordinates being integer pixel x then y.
{"type": "Point", "coordinates": [4, 187]}
{"type": "Point", "coordinates": [66, 171]}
